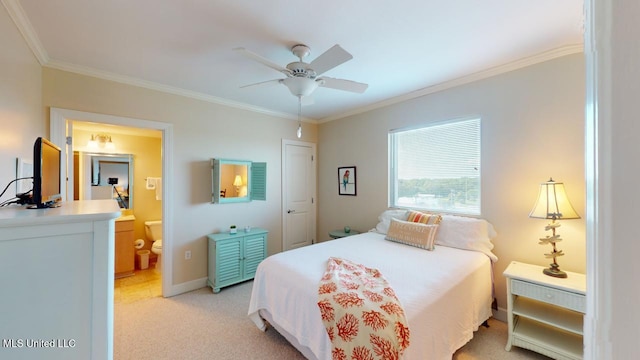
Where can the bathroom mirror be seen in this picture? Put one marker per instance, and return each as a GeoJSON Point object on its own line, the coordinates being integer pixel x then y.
{"type": "Point", "coordinates": [237, 181]}
{"type": "Point", "coordinates": [108, 176]}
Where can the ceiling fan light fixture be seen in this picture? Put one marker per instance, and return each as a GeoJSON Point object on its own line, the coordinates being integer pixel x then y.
{"type": "Point", "coordinates": [299, 86]}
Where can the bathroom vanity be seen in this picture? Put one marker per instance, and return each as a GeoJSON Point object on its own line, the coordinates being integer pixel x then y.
{"type": "Point", "coordinates": [124, 247]}
{"type": "Point", "coordinates": [56, 276]}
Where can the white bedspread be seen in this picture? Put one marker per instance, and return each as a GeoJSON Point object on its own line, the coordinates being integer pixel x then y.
{"type": "Point", "coordinates": [446, 293]}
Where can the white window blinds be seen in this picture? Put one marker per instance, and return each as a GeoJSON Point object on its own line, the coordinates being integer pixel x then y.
{"type": "Point", "coordinates": [437, 167]}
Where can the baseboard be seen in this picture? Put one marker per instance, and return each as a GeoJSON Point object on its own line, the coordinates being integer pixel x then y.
{"type": "Point", "coordinates": [186, 287]}
{"type": "Point", "coordinates": [500, 314]}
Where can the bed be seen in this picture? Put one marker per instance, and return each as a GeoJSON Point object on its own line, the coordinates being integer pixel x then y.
{"type": "Point", "coordinates": [446, 293]}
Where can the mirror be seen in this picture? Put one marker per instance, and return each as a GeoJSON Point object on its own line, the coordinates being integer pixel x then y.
{"type": "Point", "coordinates": [108, 176]}
{"type": "Point", "coordinates": [231, 180]}
{"type": "Point", "coordinates": [237, 181]}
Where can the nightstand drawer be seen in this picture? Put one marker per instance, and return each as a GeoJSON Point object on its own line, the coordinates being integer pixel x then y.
{"type": "Point", "coordinates": [549, 295]}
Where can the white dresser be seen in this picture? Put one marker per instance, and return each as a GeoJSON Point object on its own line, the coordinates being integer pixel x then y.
{"type": "Point", "coordinates": [545, 314]}
{"type": "Point", "coordinates": [56, 281]}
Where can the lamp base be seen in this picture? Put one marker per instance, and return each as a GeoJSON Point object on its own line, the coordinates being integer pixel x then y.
{"type": "Point", "coordinates": [554, 270]}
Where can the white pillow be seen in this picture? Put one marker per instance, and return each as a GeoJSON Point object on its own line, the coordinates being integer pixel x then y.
{"type": "Point", "coordinates": [466, 233]}
{"type": "Point", "coordinates": [385, 219]}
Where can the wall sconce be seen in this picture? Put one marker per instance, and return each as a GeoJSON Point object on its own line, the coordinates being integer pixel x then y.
{"type": "Point", "coordinates": [553, 204]}
{"type": "Point", "coordinates": [101, 141]}
{"type": "Point", "coordinates": [237, 182]}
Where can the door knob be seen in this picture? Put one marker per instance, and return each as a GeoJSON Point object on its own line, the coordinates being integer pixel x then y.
{"type": "Point", "coordinates": [290, 211]}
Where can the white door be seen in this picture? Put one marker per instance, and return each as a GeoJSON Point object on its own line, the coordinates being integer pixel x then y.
{"type": "Point", "coordinates": [298, 194]}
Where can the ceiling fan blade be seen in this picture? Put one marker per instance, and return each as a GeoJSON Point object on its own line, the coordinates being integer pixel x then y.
{"type": "Point", "coordinates": [262, 84]}
{"type": "Point", "coordinates": [341, 84]}
{"type": "Point", "coordinates": [253, 56]}
{"type": "Point", "coordinates": [330, 59]}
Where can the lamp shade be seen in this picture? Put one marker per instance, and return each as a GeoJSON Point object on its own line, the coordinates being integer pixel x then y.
{"type": "Point", "coordinates": [553, 203]}
{"type": "Point", "coordinates": [237, 181]}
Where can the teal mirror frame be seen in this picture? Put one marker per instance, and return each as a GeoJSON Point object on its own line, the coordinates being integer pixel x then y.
{"type": "Point", "coordinates": [252, 185]}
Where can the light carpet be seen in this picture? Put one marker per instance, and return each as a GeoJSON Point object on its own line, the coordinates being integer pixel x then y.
{"type": "Point", "coordinates": [203, 325]}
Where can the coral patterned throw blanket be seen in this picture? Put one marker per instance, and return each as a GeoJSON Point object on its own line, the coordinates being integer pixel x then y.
{"type": "Point", "coordinates": [361, 313]}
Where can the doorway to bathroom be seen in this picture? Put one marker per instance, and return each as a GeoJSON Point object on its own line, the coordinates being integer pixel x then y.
{"type": "Point", "coordinates": [121, 171]}
{"type": "Point", "coordinates": [62, 127]}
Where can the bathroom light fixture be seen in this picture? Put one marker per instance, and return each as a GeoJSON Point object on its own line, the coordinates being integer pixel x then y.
{"type": "Point", "coordinates": [101, 141]}
{"type": "Point", "coordinates": [110, 145]}
{"type": "Point", "coordinates": [92, 144]}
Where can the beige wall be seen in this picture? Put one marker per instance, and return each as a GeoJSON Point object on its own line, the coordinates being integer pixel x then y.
{"type": "Point", "coordinates": [201, 131]}
{"type": "Point", "coordinates": [20, 101]}
{"type": "Point", "coordinates": [532, 128]}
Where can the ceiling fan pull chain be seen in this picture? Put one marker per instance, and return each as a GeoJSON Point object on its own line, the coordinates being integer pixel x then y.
{"type": "Point", "coordinates": [299, 132]}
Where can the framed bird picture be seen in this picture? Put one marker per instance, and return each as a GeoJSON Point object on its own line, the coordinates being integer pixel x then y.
{"type": "Point", "coordinates": [347, 180]}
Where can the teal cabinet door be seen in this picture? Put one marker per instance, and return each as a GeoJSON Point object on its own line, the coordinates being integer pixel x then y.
{"type": "Point", "coordinates": [234, 258]}
{"type": "Point", "coordinates": [228, 260]}
{"type": "Point", "coordinates": [255, 250]}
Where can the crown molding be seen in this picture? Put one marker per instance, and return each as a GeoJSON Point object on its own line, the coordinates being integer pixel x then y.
{"type": "Point", "coordinates": [497, 70]}
{"type": "Point", "coordinates": [16, 12]}
{"type": "Point", "coordinates": [128, 80]}
{"type": "Point", "coordinates": [501, 69]}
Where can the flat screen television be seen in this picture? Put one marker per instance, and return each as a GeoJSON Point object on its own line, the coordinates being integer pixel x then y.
{"type": "Point", "coordinates": [46, 174]}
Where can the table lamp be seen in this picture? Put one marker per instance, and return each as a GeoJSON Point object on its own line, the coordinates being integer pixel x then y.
{"type": "Point", "coordinates": [553, 204]}
{"type": "Point", "coordinates": [237, 182]}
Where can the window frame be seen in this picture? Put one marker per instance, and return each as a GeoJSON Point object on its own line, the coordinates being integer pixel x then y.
{"type": "Point", "coordinates": [393, 167]}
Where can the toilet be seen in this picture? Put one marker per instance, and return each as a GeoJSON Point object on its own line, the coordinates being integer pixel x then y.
{"type": "Point", "coordinates": [153, 230]}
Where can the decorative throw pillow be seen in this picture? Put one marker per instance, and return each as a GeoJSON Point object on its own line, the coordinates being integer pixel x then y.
{"type": "Point", "coordinates": [423, 218]}
{"type": "Point", "coordinates": [412, 233]}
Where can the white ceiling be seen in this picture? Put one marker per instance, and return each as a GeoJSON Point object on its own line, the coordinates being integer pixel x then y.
{"type": "Point", "coordinates": [400, 48]}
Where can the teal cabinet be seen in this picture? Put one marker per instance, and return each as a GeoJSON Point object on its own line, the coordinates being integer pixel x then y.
{"type": "Point", "coordinates": [234, 258]}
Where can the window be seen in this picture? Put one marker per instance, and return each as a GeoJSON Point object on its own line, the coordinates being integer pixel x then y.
{"type": "Point", "coordinates": [436, 167]}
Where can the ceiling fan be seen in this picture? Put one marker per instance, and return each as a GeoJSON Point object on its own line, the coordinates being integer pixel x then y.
{"type": "Point", "coordinates": [303, 78]}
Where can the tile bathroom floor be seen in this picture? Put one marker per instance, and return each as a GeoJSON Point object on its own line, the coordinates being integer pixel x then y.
{"type": "Point", "coordinates": [143, 284]}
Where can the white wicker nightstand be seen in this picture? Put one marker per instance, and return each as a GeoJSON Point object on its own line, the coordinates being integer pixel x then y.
{"type": "Point", "coordinates": [545, 314]}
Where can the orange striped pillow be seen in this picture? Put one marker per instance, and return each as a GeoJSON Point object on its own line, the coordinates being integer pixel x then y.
{"type": "Point", "coordinates": [422, 218]}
